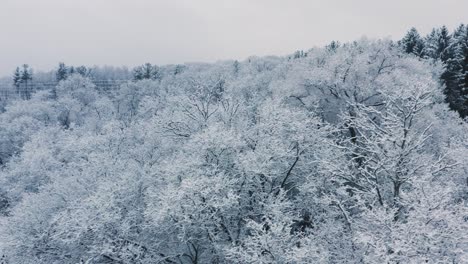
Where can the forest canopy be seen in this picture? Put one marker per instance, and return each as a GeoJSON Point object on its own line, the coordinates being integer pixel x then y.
{"type": "Point", "coordinates": [351, 153]}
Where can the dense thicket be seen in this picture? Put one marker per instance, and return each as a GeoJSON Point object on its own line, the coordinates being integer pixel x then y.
{"type": "Point", "coordinates": [346, 154]}
{"type": "Point", "coordinates": [451, 49]}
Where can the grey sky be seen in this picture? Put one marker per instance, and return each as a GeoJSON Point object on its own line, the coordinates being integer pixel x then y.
{"type": "Point", "coordinates": [131, 32]}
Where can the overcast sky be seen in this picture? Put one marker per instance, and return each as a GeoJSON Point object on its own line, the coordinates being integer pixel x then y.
{"type": "Point", "coordinates": [131, 32]}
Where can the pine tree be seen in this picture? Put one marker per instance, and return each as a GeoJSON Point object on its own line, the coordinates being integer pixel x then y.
{"type": "Point", "coordinates": [465, 63]}
{"type": "Point", "coordinates": [457, 71]}
{"type": "Point", "coordinates": [26, 76]}
{"type": "Point", "coordinates": [236, 66]}
{"type": "Point", "coordinates": [455, 58]}
{"type": "Point", "coordinates": [431, 45]}
{"type": "Point", "coordinates": [17, 78]}
{"type": "Point", "coordinates": [333, 46]}
{"type": "Point", "coordinates": [138, 73]}
{"type": "Point", "coordinates": [62, 72]}
{"type": "Point", "coordinates": [147, 71]}
{"type": "Point", "coordinates": [412, 42]}
{"type": "Point", "coordinates": [178, 69]}
{"type": "Point", "coordinates": [83, 71]}
{"type": "Point", "coordinates": [436, 44]}
{"type": "Point", "coordinates": [444, 40]}
{"type": "Point", "coordinates": [156, 73]}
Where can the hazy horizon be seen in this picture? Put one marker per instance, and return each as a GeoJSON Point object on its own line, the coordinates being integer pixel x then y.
{"type": "Point", "coordinates": [129, 33]}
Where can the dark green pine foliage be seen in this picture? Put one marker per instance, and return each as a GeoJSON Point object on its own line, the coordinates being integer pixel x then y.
{"type": "Point", "coordinates": [236, 67]}
{"type": "Point", "coordinates": [83, 71]}
{"type": "Point", "coordinates": [436, 44]}
{"type": "Point", "coordinates": [412, 43]}
{"type": "Point", "coordinates": [178, 69]}
{"type": "Point", "coordinates": [26, 77]}
{"type": "Point", "coordinates": [26, 74]}
{"type": "Point", "coordinates": [17, 78]}
{"type": "Point", "coordinates": [465, 64]}
{"type": "Point", "coordinates": [138, 73]}
{"type": "Point", "coordinates": [452, 51]}
{"type": "Point", "coordinates": [444, 41]}
{"type": "Point", "coordinates": [461, 36]}
{"type": "Point", "coordinates": [455, 75]}
{"type": "Point", "coordinates": [333, 46]}
{"type": "Point", "coordinates": [62, 72]}
{"type": "Point", "coordinates": [146, 71]}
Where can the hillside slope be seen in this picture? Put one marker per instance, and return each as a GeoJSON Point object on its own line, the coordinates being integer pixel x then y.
{"type": "Point", "coordinates": [346, 154]}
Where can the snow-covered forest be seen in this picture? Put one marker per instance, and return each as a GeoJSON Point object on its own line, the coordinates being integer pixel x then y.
{"type": "Point", "coordinates": [351, 153]}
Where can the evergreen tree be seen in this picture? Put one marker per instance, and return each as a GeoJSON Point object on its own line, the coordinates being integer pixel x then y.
{"type": "Point", "coordinates": [333, 46]}
{"type": "Point", "coordinates": [156, 73]}
{"type": "Point", "coordinates": [178, 69]}
{"type": "Point", "coordinates": [138, 73]}
{"type": "Point", "coordinates": [436, 44]}
{"type": "Point", "coordinates": [26, 76]}
{"type": "Point", "coordinates": [62, 72]}
{"type": "Point", "coordinates": [412, 42]}
{"type": "Point", "coordinates": [464, 41]}
{"type": "Point", "coordinates": [236, 66]}
{"type": "Point", "coordinates": [461, 37]}
{"type": "Point", "coordinates": [444, 40]}
{"type": "Point", "coordinates": [146, 71]}
{"type": "Point", "coordinates": [142, 72]}
{"type": "Point", "coordinates": [17, 78]}
{"type": "Point", "coordinates": [83, 71]}
{"type": "Point", "coordinates": [455, 76]}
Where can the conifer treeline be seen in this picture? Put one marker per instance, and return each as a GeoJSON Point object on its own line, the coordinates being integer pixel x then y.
{"type": "Point", "coordinates": [452, 50]}
{"type": "Point", "coordinates": [440, 45]}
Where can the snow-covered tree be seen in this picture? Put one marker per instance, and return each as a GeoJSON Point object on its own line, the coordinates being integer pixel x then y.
{"type": "Point", "coordinates": [412, 42]}
{"type": "Point", "coordinates": [348, 154]}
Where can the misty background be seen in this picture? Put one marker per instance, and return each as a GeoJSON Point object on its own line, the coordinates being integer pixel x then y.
{"type": "Point", "coordinates": [123, 32]}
